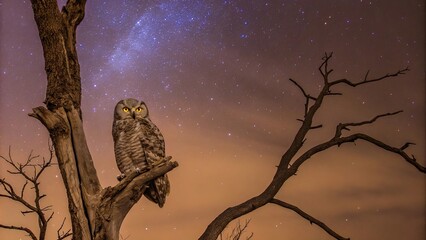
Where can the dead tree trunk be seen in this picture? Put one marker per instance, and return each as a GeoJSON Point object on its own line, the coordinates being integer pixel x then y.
{"type": "Point", "coordinates": [289, 164]}
{"type": "Point", "coordinates": [96, 212]}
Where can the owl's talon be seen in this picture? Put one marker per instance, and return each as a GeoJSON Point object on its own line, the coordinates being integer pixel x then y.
{"type": "Point", "coordinates": [121, 177]}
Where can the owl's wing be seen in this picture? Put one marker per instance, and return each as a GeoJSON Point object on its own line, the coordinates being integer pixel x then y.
{"type": "Point", "coordinates": [154, 147]}
{"type": "Point", "coordinates": [158, 189]}
{"type": "Point", "coordinates": [152, 139]}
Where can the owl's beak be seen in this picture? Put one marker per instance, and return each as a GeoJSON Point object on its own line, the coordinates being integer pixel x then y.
{"type": "Point", "coordinates": [133, 114]}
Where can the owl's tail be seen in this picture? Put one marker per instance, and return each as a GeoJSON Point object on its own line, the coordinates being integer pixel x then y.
{"type": "Point", "coordinates": [157, 190]}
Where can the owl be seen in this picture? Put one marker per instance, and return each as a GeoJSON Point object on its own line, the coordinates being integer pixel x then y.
{"type": "Point", "coordinates": [139, 145]}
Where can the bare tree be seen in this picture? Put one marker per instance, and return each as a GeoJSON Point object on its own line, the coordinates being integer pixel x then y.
{"type": "Point", "coordinates": [289, 163]}
{"type": "Point", "coordinates": [96, 212]}
{"type": "Point", "coordinates": [30, 171]}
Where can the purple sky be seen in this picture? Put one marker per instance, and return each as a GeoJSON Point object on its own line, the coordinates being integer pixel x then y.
{"type": "Point", "coordinates": [214, 75]}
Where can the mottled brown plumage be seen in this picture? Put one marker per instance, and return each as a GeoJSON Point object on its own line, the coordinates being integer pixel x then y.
{"type": "Point", "coordinates": [139, 145]}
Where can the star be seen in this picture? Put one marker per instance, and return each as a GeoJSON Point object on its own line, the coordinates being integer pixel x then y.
{"type": "Point", "coordinates": [215, 76]}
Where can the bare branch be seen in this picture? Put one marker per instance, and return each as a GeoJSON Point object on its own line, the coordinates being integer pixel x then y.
{"type": "Point", "coordinates": [309, 218]}
{"type": "Point", "coordinates": [142, 178]}
{"type": "Point", "coordinates": [411, 160]}
{"type": "Point", "coordinates": [344, 126]}
{"type": "Point", "coordinates": [337, 140]}
{"type": "Point", "coordinates": [323, 68]}
{"type": "Point", "coordinates": [8, 188]}
{"type": "Point", "coordinates": [366, 80]}
{"type": "Point", "coordinates": [61, 234]}
{"type": "Point", "coordinates": [307, 96]}
{"type": "Point", "coordinates": [334, 94]}
{"type": "Point", "coordinates": [27, 230]}
{"type": "Point", "coordinates": [302, 90]}
{"type": "Point", "coordinates": [406, 145]}
{"type": "Point", "coordinates": [316, 126]}
{"type": "Point", "coordinates": [11, 194]}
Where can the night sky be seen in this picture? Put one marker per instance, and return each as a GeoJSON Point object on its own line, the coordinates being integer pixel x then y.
{"type": "Point", "coordinates": [214, 75]}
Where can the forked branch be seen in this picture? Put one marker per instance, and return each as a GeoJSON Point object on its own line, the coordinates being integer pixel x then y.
{"type": "Point", "coordinates": [345, 126]}
{"type": "Point", "coordinates": [399, 151]}
{"type": "Point", "coordinates": [338, 140]}
{"type": "Point", "coordinates": [323, 68]}
{"type": "Point", "coordinates": [307, 96]}
{"type": "Point", "coordinates": [31, 172]}
{"type": "Point", "coordinates": [61, 234]}
{"type": "Point", "coordinates": [308, 217]}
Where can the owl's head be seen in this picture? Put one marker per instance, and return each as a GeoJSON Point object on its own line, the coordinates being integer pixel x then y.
{"type": "Point", "coordinates": [130, 109]}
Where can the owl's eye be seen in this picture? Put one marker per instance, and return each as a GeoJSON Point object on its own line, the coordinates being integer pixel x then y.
{"type": "Point", "coordinates": [126, 109]}
{"type": "Point", "coordinates": [139, 109]}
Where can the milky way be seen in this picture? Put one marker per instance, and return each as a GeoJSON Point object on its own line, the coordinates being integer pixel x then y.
{"type": "Point", "coordinates": [215, 77]}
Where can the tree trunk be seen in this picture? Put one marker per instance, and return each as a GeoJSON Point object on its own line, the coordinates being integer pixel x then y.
{"type": "Point", "coordinates": [96, 213]}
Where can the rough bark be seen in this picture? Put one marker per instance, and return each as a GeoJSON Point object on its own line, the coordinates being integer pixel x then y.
{"type": "Point", "coordinates": [288, 165]}
{"type": "Point", "coordinates": [96, 212]}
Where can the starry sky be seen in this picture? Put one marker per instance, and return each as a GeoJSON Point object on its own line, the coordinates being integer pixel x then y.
{"type": "Point", "coordinates": [214, 75]}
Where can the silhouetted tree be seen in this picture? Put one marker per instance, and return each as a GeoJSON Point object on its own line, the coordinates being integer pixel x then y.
{"type": "Point", "coordinates": [293, 158]}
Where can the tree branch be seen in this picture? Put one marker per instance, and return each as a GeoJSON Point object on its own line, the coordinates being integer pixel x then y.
{"type": "Point", "coordinates": [307, 96]}
{"type": "Point", "coordinates": [366, 80]}
{"type": "Point", "coordinates": [338, 140]}
{"type": "Point", "coordinates": [136, 178]}
{"type": "Point", "coordinates": [411, 160]}
{"type": "Point", "coordinates": [308, 217]}
{"type": "Point", "coordinates": [323, 68]}
{"type": "Point", "coordinates": [61, 234]}
{"type": "Point", "coordinates": [35, 207]}
{"type": "Point", "coordinates": [27, 230]}
{"type": "Point", "coordinates": [344, 126]}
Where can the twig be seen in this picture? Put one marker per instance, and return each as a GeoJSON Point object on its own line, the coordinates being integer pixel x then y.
{"type": "Point", "coordinates": [237, 232]}
{"type": "Point", "coordinates": [63, 235]}
{"type": "Point", "coordinates": [323, 68]}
